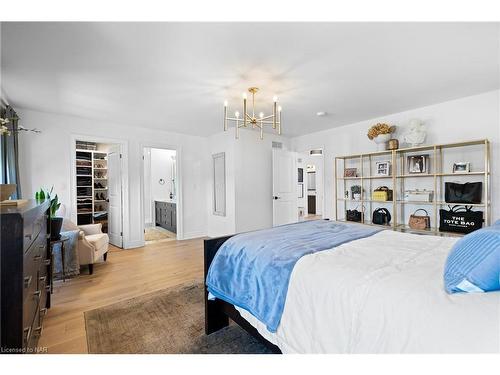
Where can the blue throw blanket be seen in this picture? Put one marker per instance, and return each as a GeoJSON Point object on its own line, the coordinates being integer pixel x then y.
{"type": "Point", "coordinates": [252, 270]}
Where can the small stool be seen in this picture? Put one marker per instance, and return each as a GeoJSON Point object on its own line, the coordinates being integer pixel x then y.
{"type": "Point", "coordinates": [62, 241]}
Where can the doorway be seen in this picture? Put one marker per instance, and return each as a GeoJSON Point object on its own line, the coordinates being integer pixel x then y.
{"type": "Point", "coordinates": [160, 194]}
{"type": "Point", "coordinates": [310, 167]}
{"type": "Point", "coordinates": [98, 187]}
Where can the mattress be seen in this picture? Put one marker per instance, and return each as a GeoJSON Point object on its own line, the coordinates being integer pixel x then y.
{"type": "Point", "coordinates": [382, 294]}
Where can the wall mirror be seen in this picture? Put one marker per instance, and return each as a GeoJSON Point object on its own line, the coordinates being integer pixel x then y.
{"type": "Point", "coordinates": [219, 175]}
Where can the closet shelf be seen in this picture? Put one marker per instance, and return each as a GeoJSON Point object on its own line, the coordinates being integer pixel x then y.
{"type": "Point", "coordinates": [91, 164]}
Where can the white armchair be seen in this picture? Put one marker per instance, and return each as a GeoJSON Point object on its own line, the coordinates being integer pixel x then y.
{"type": "Point", "coordinates": [92, 245]}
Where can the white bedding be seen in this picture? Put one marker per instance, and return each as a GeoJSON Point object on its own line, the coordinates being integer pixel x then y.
{"type": "Point", "coordinates": [382, 294]}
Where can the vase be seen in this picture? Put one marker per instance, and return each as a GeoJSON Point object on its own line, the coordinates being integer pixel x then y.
{"type": "Point", "coordinates": [381, 141]}
{"type": "Point", "coordinates": [55, 228]}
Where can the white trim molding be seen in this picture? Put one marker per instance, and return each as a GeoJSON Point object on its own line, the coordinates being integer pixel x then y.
{"type": "Point", "coordinates": [126, 239]}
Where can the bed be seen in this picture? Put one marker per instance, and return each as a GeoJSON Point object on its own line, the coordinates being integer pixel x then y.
{"type": "Point", "coordinates": [379, 294]}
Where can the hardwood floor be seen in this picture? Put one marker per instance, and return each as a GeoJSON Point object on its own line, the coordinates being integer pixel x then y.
{"type": "Point", "coordinates": [126, 274]}
{"type": "Point", "coordinates": [313, 217]}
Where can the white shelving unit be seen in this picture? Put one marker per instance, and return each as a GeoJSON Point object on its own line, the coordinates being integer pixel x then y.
{"type": "Point", "coordinates": [91, 187]}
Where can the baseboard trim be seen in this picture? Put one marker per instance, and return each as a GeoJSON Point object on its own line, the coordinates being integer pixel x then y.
{"type": "Point", "coordinates": [191, 235]}
{"type": "Point", "coordinates": [133, 244]}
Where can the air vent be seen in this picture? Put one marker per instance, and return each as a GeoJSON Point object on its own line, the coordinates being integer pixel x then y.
{"type": "Point", "coordinates": [316, 152]}
{"type": "Point", "coordinates": [277, 145]}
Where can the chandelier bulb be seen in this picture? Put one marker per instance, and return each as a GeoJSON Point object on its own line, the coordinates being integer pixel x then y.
{"type": "Point", "coordinates": [237, 114]}
{"type": "Point", "coordinates": [275, 99]}
{"type": "Point", "coordinates": [225, 103]}
{"type": "Point", "coordinates": [279, 109]}
{"type": "Point", "coordinates": [261, 114]}
{"type": "Point", "coordinates": [244, 95]}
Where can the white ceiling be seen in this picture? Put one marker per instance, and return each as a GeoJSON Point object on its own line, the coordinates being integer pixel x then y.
{"type": "Point", "coordinates": [175, 76]}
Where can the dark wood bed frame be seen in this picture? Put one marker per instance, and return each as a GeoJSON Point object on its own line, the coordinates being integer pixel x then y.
{"type": "Point", "coordinates": [218, 312]}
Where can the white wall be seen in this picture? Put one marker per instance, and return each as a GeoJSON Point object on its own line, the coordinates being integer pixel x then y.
{"type": "Point", "coordinates": [469, 118]}
{"type": "Point", "coordinates": [45, 161]}
{"type": "Point", "coordinates": [248, 182]}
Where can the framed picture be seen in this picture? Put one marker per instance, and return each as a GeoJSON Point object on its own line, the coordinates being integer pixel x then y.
{"type": "Point", "coordinates": [383, 168]}
{"type": "Point", "coordinates": [418, 164]}
{"type": "Point", "coordinates": [461, 167]}
{"type": "Point", "coordinates": [350, 172]}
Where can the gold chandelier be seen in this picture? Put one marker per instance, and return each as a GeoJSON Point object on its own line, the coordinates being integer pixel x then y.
{"type": "Point", "coordinates": [251, 119]}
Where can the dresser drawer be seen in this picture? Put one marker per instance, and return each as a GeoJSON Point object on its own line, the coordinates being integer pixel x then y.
{"type": "Point", "coordinates": [35, 332]}
{"type": "Point", "coordinates": [34, 306]}
{"type": "Point", "coordinates": [32, 230]}
{"type": "Point", "coordinates": [31, 307]}
{"type": "Point", "coordinates": [35, 254]}
{"type": "Point", "coordinates": [34, 266]}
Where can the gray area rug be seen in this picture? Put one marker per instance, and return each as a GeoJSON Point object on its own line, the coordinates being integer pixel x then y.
{"type": "Point", "coordinates": [167, 321]}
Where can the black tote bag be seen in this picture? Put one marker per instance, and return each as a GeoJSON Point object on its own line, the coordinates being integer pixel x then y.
{"type": "Point", "coordinates": [460, 219]}
{"type": "Point", "coordinates": [470, 192]}
{"type": "Point", "coordinates": [381, 216]}
{"type": "Point", "coordinates": [354, 215]}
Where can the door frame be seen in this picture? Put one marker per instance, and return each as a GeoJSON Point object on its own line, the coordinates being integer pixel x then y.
{"type": "Point", "coordinates": [323, 184]}
{"type": "Point", "coordinates": [178, 167]}
{"type": "Point", "coordinates": [123, 174]}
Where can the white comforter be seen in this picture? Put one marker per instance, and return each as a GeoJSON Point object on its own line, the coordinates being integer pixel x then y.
{"type": "Point", "coordinates": [382, 294]}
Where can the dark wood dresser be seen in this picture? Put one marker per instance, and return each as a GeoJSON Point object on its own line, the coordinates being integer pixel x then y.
{"type": "Point", "coordinates": [25, 270]}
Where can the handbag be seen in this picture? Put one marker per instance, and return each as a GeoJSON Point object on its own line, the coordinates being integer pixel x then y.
{"type": "Point", "coordinates": [382, 193]}
{"type": "Point", "coordinates": [419, 221]}
{"type": "Point", "coordinates": [460, 219]}
{"type": "Point", "coordinates": [470, 192]}
{"type": "Point", "coordinates": [354, 215]}
{"type": "Point", "coordinates": [381, 216]}
{"type": "Point", "coordinates": [418, 195]}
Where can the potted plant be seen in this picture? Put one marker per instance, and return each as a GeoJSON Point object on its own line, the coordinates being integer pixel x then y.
{"type": "Point", "coordinates": [380, 134]}
{"type": "Point", "coordinates": [55, 222]}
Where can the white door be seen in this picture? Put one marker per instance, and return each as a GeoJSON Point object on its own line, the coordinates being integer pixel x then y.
{"type": "Point", "coordinates": [285, 205]}
{"type": "Point", "coordinates": [115, 196]}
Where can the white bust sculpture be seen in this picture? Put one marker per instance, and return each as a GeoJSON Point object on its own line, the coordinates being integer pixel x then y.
{"type": "Point", "coordinates": [416, 134]}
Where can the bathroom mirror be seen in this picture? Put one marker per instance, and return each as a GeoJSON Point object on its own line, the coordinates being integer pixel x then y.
{"type": "Point", "coordinates": [219, 175]}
